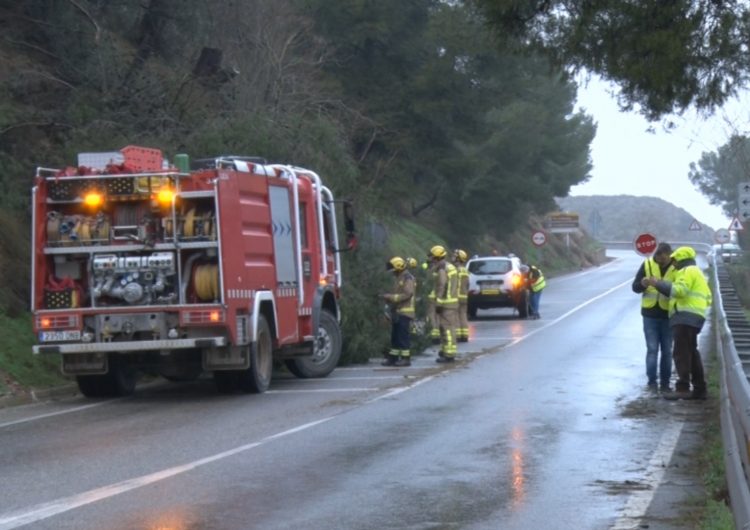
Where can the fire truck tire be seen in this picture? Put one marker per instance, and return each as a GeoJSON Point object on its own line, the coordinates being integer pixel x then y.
{"type": "Point", "coordinates": [119, 381]}
{"type": "Point", "coordinates": [226, 381]}
{"type": "Point", "coordinates": [91, 385]}
{"type": "Point", "coordinates": [326, 353]}
{"type": "Point", "coordinates": [257, 378]}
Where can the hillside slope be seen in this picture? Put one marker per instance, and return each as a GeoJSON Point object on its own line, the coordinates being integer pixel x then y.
{"type": "Point", "coordinates": [623, 217]}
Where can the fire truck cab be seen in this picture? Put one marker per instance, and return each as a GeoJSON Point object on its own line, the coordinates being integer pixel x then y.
{"type": "Point", "coordinates": [229, 266]}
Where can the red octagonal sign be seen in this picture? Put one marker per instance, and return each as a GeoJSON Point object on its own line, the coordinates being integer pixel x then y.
{"type": "Point", "coordinates": [645, 244]}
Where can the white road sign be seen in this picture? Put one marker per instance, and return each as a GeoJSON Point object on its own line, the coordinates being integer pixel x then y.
{"type": "Point", "coordinates": [722, 236]}
{"type": "Point", "coordinates": [539, 238]}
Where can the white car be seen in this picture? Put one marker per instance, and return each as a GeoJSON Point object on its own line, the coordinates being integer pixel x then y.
{"type": "Point", "coordinates": [728, 252]}
{"type": "Point", "coordinates": [497, 281]}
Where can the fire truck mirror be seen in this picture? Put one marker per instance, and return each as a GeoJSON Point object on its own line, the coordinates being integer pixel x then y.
{"type": "Point", "coordinates": [351, 241]}
{"type": "Point", "coordinates": [351, 233]}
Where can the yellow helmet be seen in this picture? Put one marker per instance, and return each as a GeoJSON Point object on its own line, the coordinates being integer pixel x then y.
{"type": "Point", "coordinates": [396, 263]}
{"type": "Point", "coordinates": [683, 253]}
{"type": "Point", "coordinates": [438, 252]}
{"type": "Point", "coordinates": [412, 263]}
{"type": "Point", "coordinates": [460, 255]}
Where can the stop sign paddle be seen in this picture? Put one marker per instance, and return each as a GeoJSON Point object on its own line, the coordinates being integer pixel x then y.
{"type": "Point", "coordinates": [645, 244]}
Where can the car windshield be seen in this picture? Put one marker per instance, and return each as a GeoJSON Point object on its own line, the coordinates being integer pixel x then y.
{"type": "Point", "coordinates": [494, 266]}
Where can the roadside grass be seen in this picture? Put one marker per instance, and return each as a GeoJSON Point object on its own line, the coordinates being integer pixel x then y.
{"type": "Point", "coordinates": [18, 366]}
{"type": "Point", "coordinates": [716, 514]}
{"type": "Point", "coordinates": [411, 240]}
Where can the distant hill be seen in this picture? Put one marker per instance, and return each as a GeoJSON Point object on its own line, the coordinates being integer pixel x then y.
{"type": "Point", "coordinates": [623, 217]}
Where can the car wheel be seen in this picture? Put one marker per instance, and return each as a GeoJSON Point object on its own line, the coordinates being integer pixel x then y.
{"type": "Point", "coordinates": [523, 304]}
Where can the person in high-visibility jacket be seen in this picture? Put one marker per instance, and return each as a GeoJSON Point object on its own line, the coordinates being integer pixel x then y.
{"type": "Point", "coordinates": [431, 314]}
{"type": "Point", "coordinates": [655, 313]}
{"type": "Point", "coordinates": [401, 303]}
{"type": "Point", "coordinates": [446, 302]}
{"type": "Point", "coordinates": [460, 257]}
{"type": "Point", "coordinates": [689, 301]}
{"type": "Point", "coordinates": [536, 284]}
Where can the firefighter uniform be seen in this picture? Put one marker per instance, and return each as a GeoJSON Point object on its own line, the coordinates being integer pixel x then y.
{"type": "Point", "coordinates": [431, 315]}
{"type": "Point", "coordinates": [401, 303]}
{"type": "Point", "coordinates": [446, 303]}
{"type": "Point", "coordinates": [459, 259]}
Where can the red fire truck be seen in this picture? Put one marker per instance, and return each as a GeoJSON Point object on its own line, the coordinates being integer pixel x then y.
{"type": "Point", "coordinates": [225, 265]}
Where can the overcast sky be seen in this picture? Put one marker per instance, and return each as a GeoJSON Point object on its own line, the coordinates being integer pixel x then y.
{"type": "Point", "coordinates": [630, 160]}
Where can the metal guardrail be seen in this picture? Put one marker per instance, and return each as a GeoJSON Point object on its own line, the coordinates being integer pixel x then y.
{"type": "Point", "coordinates": [733, 347]}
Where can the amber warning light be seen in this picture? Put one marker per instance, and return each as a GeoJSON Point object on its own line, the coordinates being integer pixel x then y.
{"type": "Point", "coordinates": [165, 197]}
{"type": "Point", "coordinates": [93, 199]}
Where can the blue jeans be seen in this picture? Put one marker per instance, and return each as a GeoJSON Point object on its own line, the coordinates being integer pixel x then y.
{"type": "Point", "coordinates": [658, 334]}
{"type": "Point", "coordinates": [534, 298]}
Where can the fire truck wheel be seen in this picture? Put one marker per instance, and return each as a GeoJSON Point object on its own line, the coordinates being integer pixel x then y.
{"type": "Point", "coordinates": [91, 385]}
{"type": "Point", "coordinates": [257, 378]}
{"type": "Point", "coordinates": [119, 381]}
{"type": "Point", "coordinates": [326, 352]}
{"type": "Point", "coordinates": [226, 381]}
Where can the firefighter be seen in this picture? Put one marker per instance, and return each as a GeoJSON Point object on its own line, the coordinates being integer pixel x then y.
{"type": "Point", "coordinates": [446, 302]}
{"type": "Point", "coordinates": [401, 303]}
{"type": "Point", "coordinates": [430, 314]}
{"type": "Point", "coordinates": [536, 284]}
{"type": "Point", "coordinates": [460, 257]}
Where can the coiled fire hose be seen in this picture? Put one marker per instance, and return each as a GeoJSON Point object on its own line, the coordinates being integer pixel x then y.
{"type": "Point", "coordinates": [206, 282]}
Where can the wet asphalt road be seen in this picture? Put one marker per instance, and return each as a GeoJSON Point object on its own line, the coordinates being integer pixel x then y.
{"type": "Point", "coordinates": [540, 425]}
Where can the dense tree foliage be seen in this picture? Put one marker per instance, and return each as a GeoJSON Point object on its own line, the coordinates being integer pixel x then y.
{"type": "Point", "coordinates": [482, 135]}
{"type": "Point", "coordinates": [665, 56]}
{"type": "Point", "coordinates": [718, 174]}
{"type": "Point", "coordinates": [409, 107]}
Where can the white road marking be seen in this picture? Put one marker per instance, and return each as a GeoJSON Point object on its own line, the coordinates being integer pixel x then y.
{"type": "Point", "coordinates": [334, 378]}
{"type": "Point", "coordinates": [480, 339]}
{"type": "Point", "coordinates": [399, 390]}
{"type": "Point", "coordinates": [320, 390]}
{"type": "Point", "coordinates": [46, 510]}
{"type": "Point", "coordinates": [18, 518]}
{"type": "Point", "coordinates": [640, 500]}
{"type": "Point", "coordinates": [51, 414]}
{"type": "Point", "coordinates": [566, 315]}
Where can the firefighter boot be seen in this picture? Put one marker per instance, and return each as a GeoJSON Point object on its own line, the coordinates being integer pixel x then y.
{"type": "Point", "coordinates": [403, 361]}
{"type": "Point", "coordinates": [390, 360]}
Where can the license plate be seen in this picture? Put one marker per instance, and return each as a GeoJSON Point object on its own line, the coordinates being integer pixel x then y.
{"type": "Point", "coordinates": [490, 288]}
{"type": "Point", "coordinates": [59, 336]}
